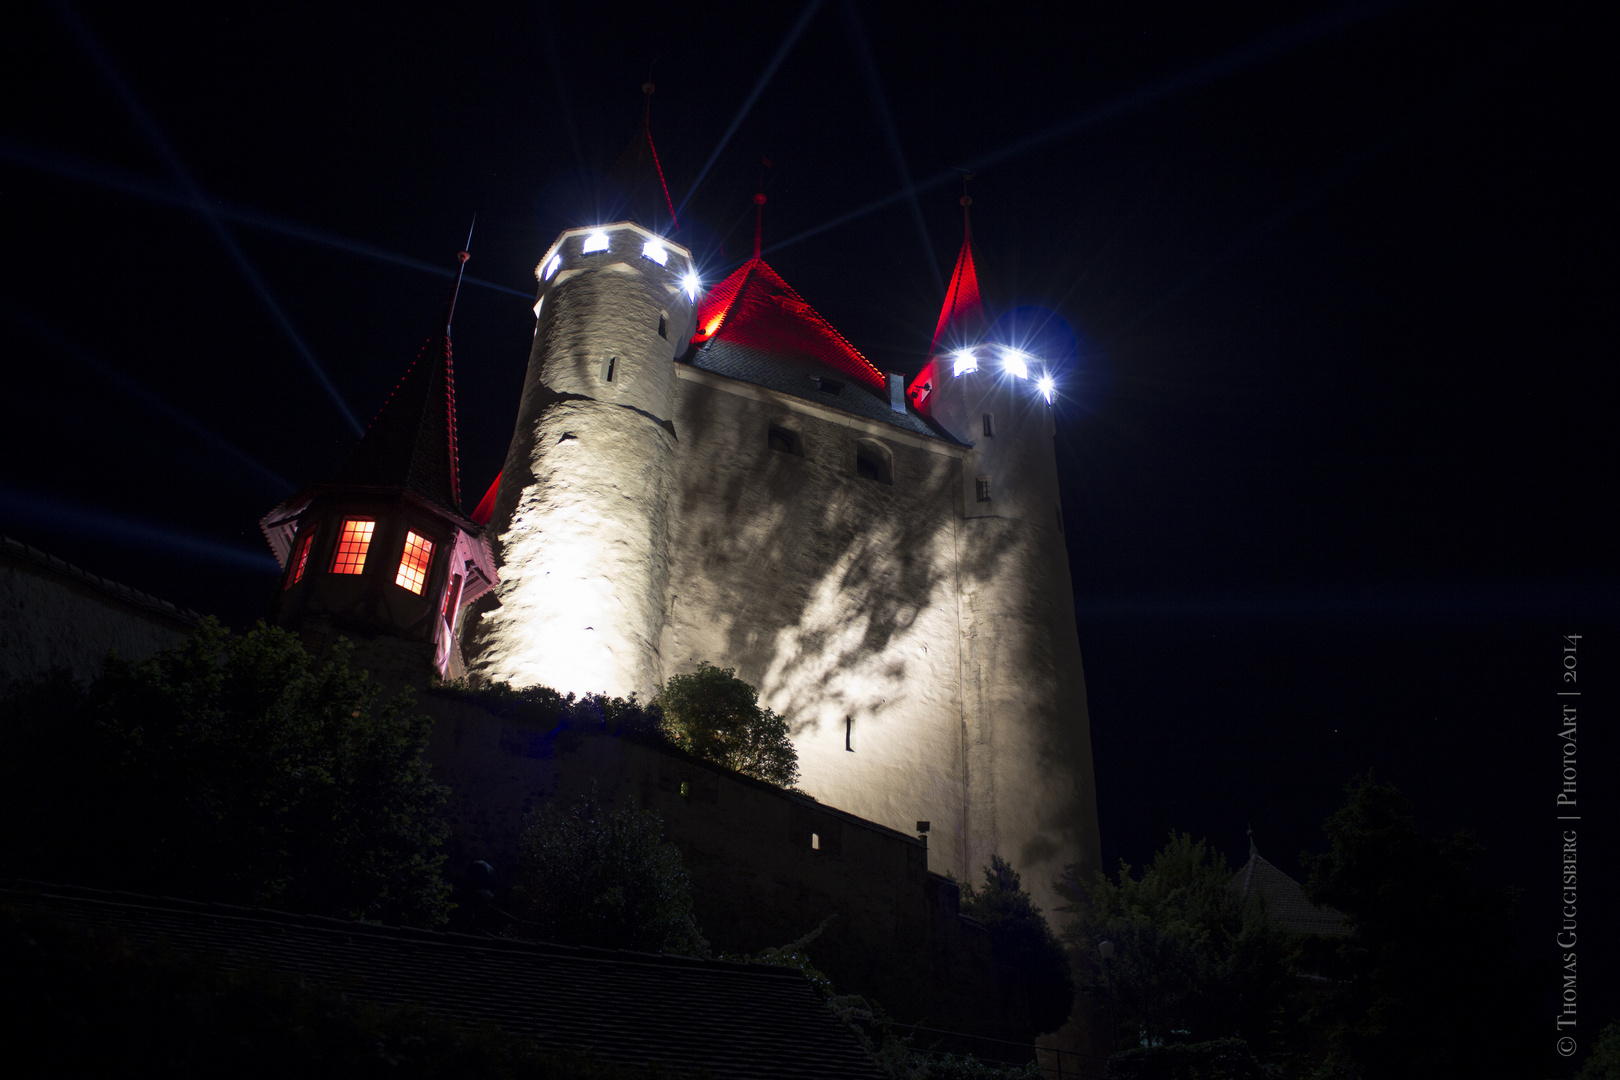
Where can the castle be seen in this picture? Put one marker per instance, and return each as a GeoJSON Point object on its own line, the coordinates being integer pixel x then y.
{"type": "Point", "coordinates": [708, 471]}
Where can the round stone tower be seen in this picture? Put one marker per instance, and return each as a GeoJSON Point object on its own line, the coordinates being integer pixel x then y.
{"type": "Point", "coordinates": [580, 519]}
{"type": "Point", "coordinates": [1027, 741]}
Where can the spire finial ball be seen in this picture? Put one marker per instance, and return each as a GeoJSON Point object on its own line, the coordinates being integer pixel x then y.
{"type": "Point", "coordinates": [966, 200]}
{"type": "Point", "coordinates": [647, 88]}
{"type": "Point", "coordinates": [463, 256]}
{"type": "Point", "coordinates": [759, 198]}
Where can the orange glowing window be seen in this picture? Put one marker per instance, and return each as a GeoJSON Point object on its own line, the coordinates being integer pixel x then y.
{"type": "Point", "coordinates": [301, 560]}
{"type": "Point", "coordinates": [352, 546]}
{"type": "Point", "coordinates": [413, 565]}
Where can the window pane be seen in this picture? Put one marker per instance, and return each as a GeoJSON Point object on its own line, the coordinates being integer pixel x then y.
{"type": "Point", "coordinates": [413, 565]}
{"type": "Point", "coordinates": [301, 560]}
{"type": "Point", "coordinates": [352, 545]}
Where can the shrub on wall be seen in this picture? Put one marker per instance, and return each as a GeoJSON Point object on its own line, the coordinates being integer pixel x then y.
{"type": "Point", "coordinates": [1021, 937]}
{"type": "Point", "coordinates": [590, 875]}
{"type": "Point", "coordinates": [715, 715]}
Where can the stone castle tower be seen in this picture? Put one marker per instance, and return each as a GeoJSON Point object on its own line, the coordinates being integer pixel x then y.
{"type": "Point", "coordinates": [713, 472]}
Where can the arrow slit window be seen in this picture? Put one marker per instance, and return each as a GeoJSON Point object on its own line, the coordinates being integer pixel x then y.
{"type": "Point", "coordinates": [413, 564]}
{"type": "Point", "coordinates": [301, 560]}
{"type": "Point", "coordinates": [353, 543]}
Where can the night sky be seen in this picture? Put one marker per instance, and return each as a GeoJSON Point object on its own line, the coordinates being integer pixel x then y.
{"type": "Point", "coordinates": [1324, 286]}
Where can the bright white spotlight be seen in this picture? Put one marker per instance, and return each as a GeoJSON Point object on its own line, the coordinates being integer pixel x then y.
{"type": "Point", "coordinates": [1045, 384]}
{"type": "Point", "coordinates": [692, 284]}
{"type": "Point", "coordinates": [655, 251]}
{"type": "Point", "coordinates": [597, 241]}
{"type": "Point", "coordinates": [966, 362]}
{"type": "Point", "coordinates": [1015, 363]}
{"type": "Point", "coordinates": [551, 267]}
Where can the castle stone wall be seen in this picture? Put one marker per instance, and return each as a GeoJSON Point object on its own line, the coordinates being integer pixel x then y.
{"type": "Point", "coordinates": [834, 595]}
{"type": "Point", "coordinates": [758, 882]}
{"type": "Point", "coordinates": [55, 616]}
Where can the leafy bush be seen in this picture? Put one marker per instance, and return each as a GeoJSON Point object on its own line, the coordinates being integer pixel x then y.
{"type": "Point", "coordinates": [232, 768]}
{"type": "Point", "coordinates": [1021, 937]}
{"type": "Point", "coordinates": [1191, 962]}
{"type": "Point", "coordinates": [1217, 1059]}
{"type": "Point", "coordinates": [588, 875]}
{"type": "Point", "coordinates": [715, 715]}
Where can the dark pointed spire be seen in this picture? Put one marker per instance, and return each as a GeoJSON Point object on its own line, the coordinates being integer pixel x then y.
{"type": "Point", "coordinates": [412, 441]}
{"type": "Point", "coordinates": [639, 177]}
{"type": "Point", "coordinates": [759, 220]}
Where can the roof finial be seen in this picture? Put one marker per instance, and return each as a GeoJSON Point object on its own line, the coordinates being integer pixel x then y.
{"type": "Point", "coordinates": [1253, 851]}
{"type": "Point", "coordinates": [759, 220]}
{"type": "Point", "coordinates": [966, 200]}
{"type": "Point", "coordinates": [461, 268]}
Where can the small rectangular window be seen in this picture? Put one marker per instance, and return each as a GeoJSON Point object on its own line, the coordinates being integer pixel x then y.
{"type": "Point", "coordinates": [352, 546]}
{"type": "Point", "coordinates": [609, 368]}
{"type": "Point", "coordinates": [983, 484]}
{"type": "Point", "coordinates": [989, 426]}
{"type": "Point", "coordinates": [413, 564]}
{"type": "Point", "coordinates": [815, 841]}
{"type": "Point", "coordinates": [663, 327]}
{"type": "Point", "coordinates": [301, 559]}
{"type": "Point", "coordinates": [849, 734]}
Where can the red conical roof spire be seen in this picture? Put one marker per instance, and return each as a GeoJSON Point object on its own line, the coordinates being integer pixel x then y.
{"type": "Point", "coordinates": [961, 319]}
{"type": "Point", "coordinates": [640, 176]}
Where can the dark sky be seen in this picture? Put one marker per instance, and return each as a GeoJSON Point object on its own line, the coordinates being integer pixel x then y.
{"type": "Point", "coordinates": [1334, 426]}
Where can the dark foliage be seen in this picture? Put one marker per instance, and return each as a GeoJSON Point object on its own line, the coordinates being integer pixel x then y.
{"type": "Point", "coordinates": [231, 768]}
{"type": "Point", "coordinates": [1021, 937]}
{"type": "Point", "coordinates": [1603, 1059]}
{"type": "Point", "coordinates": [77, 1004]}
{"type": "Point", "coordinates": [590, 875]}
{"type": "Point", "coordinates": [717, 716]}
{"type": "Point", "coordinates": [1218, 1059]}
{"type": "Point", "coordinates": [545, 708]}
{"type": "Point", "coordinates": [1191, 963]}
{"type": "Point", "coordinates": [1432, 989]}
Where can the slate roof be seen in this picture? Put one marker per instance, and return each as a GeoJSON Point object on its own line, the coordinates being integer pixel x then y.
{"type": "Point", "coordinates": [961, 319]}
{"type": "Point", "coordinates": [640, 193]}
{"type": "Point", "coordinates": [740, 1021]}
{"type": "Point", "coordinates": [412, 442]}
{"type": "Point", "coordinates": [1285, 900]}
{"type": "Point", "coordinates": [755, 327]}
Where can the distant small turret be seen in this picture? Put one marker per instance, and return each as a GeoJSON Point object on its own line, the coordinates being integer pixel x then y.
{"type": "Point", "coordinates": [384, 553]}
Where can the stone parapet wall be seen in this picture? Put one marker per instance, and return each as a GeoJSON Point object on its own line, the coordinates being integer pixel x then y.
{"type": "Point", "coordinates": [897, 936]}
{"type": "Point", "coordinates": [54, 615]}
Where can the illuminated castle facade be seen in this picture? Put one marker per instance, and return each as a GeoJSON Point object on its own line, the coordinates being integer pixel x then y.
{"type": "Point", "coordinates": [710, 471]}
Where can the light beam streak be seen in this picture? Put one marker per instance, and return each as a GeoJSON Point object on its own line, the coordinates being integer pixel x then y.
{"type": "Point", "coordinates": [874, 86]}
{"type": "Point", "coordinates": [144, 396]}
{"type": "Point", "coordinates": [64, 518]}
{"type": "Point", "coordinates": [782, 51]}
{"type": "Point", "coordinates": [140, 187]}
{"type": "Point", "coordinates": [1266, 48]}
{"type": "Point", "coordinates": [200, 203]}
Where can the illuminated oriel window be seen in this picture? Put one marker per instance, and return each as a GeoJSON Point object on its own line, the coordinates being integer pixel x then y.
{"type": "Point", "coordinates": [965, 363]}
{"type": "Point", "coordinates": [413, 565]}
{"type": "Point", "coordinates": [353, 543]}
{"type": "Point", "coordinates": [655, 251]}
{"type": "Point", "coordinates": [301, 560]}
{"type": "Point", "coordinates": [597, 241]}
{"type": "Point", "coordinates": [551, 268]}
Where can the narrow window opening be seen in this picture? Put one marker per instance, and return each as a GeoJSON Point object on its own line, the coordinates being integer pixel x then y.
{"type": "Point", "coordinates": [849, 734]}
{"type": "Point", "coordinates": [815, 841]}
{"type": "Point", "coordinates": [872, 462]}
{"type": "Point", "coordinates": [414, 562]}
{"type": "Point", "coordinates": [663, 327]}
{"type": "Point", "coordinates": [352, 546]}
{"type": "Point", "coordinates": [452, 603]}
{"type": "Point", "coordinates": [301, 560]}
{"type": "Point", "coordinates": [983, 484]}
{"type": "Point", "coordinates": [785, 440]}
{"type": "Point", "coordinates": [827, 386]}
{"type": "Point", "coordinates": [610, 367]}
{"type": "Point", "coordinates": [686, 788]}
{"type": "Point", "coordinates": [989, 426]}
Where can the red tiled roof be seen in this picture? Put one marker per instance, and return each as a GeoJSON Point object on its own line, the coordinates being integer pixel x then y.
{"type": "Point", "coordinates": [754, 307]}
